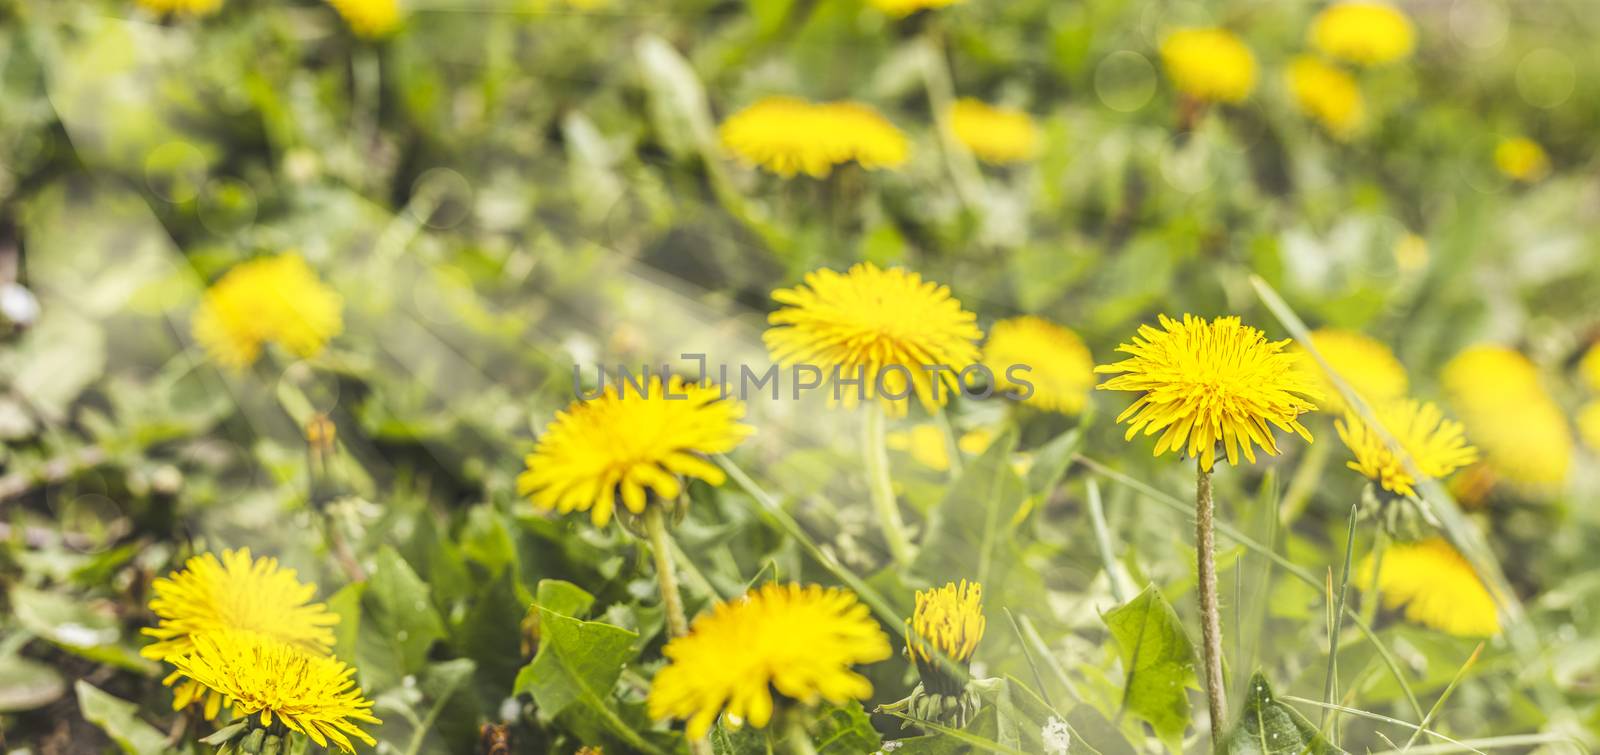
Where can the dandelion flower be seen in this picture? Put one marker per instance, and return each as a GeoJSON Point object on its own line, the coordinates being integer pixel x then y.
{"type": "Point", "coordinates": [1060, 366]}
{"type": "Point", "coordinates": [799, 641]}
{"type": "Point", "coordinates": [1521, 430]}
{"type": "Point", "coordinates": [1589, 368]}
{"type": "Point", "coordinates": [948, 621]}
{"type": "Point", "coordinates": [1521, 159]}
{"type": "Point", "coordinates": [1437, 446]}
{"type": "Point", "coordinates": [625, 446]}
{"type": "Point", "coordinates": [1208, 383]}
{"type": "Point", "coordinates": [192, 8]}
{"type": "Point", "coordinates": [925, 444]}
{"type": "Point", "coordinates": [1436, 587]}
{"type": "Point", "coordinates": [890, 326]}
{"type": "Point", "coordinates": [908, 7]}
{"type": "Point", "coordinates": [1328, 95]}
{"type": "Point", "coordinates": [370, 19]}
{"type": "Point", "coordinates": [268, 300]}
{"type": "Point", "coordinates": [1209, 64]}
{"type": "Point", "coordinates": [1364, 363]}
{"type": "Point", "coordinates": [1366, 33]}
{"type": "Point", "coordinates": [787, 135]}
{"type": "Point", "coordinates": [1589, 425]}
{"type": "Point", "coordinates": [995, 134]}
{"type": "Point", "coordinates": [258, 674]}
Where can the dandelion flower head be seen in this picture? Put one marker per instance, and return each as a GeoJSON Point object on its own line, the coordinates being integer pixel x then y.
{"type": "Point", "coordinates": [996, 135]}
{"type": "Point", "coordinates": [1060, 366]}
{"type": "Point", "coordinates": [1204, 384]}
{"type": "Point", "coordinates": [788, 135]}
{"type": "Point", "coordinates": [268, 300]}
{"type": "Point", "coordinates": [370, 19]}
{"type": "Point", "coordinates": [800, 641]}
{"type": "Point", "coordinates": [1437, 446]}
{"type": "Point", "coordinates": [1521, 159]}
{"type": "Point", "coordinates": [947, 622]}
{"type": "Point", "coordinates": [1328, 95]}
{"type": "Point", "coordinates": [1509, 415]}
{"type": "Point", "coordinates": [1362, 32]}
{"type": "Point", "coordinates": [631, 441]}
{"type": "Point", "coordinates": [1366, 365]}
{"type": "Point", "coordinates": [1209, 64]}
{"type": "Point", "coordinates": [1435, 586]}
{"type": "Point", "coordinates": [888, 325]}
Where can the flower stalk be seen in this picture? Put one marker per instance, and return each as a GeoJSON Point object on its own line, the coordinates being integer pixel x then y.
{"type": "Point", "coordinates": [1210, 615]}
{"type": "Point", "coordinates": [876, 457]}
{"type": "Point", "coordinates": [655, 526]}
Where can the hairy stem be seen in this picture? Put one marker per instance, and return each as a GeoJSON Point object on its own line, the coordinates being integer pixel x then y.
{"type": "Point", "coordinates": [1210, 616]}
{"type": "Point", "coordinates": [655, 526]}
{"type": "Point", "coordinates": [876, 457]}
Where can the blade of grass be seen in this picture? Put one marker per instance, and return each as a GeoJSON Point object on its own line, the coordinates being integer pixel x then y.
{"type": "Point", "coordinates": [1027, 654]}
{"type": "Point", "coordinates": [1102, 539]}
{"type": "Point", "coordinates": [1373, 717]}
{"type": "Point", "coordinates": [1331, 683]}
{"type": "Point", "coordinates": [1443, 696]}
{"type": "Point", "coordinates": [1493, 743]}
{"type": "Point", "coordinates": [982, 743]}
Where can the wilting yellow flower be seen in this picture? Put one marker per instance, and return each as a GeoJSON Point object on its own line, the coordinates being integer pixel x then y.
{"type": "Point", "coordinates": [1589, 425]}
{"type": "Point", "coordinates": [258, 674]}
{"type": "Point", "coordinates": [623, 445]}
{"type": "Point", "coordinates": [1589, 368]}
{"type": "Point", "coordinates": [907, 7]}
{"type": "Point", "coordinates": [948, 621]}
{"type": "Point", "coordinates": [370, 19]}
{"type": "Point", "coordinates": [1060, 366]}
{"type": "Point", "coordinates": [1435, 585]}
{"type": "Point", "coordinates": [1368, 33]}
{"type": "Point", "coordinates": [195, 8]}
{"type": "Point", "coordinates": [1437, 446]}
{"type": "Point", "coordinates": [888, 326]}
{"type": "Point", "coordinates": [1521, 430]}
{"type": "Point", "coordinates": [1521, 159]}
{"type": "Point", "coordinates": [1209, 64]}
{"type": "Point", "coordinates": [1365, 364]}
{"type": "Point", "coordinates": [1328, 95]}
{"type": "Point", "coordinates": [787, 135]}
{"type": "Point", "coordinates": [272, 299]}
{"type": "Point", "coordinates": [237, 592]}
{"type": "Point", "coordinates": [1210, 383]}
{"type": "Point", "coordinates": [799, 641]}
{"type": "Point", "coordinates": [995, 134]}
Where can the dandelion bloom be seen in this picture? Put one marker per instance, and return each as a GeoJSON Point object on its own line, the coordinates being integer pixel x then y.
{"type": "Point", "coordinates": [1367, 33]}
{"type": "Point", "coordinates": [192, 8]}
{"type": "Point", "coordinates": [370, 19]}
{"type": "Point", "coordinates": [624, 445]}
{"type": "Point", "coordinates": [1589, 425]}
{"type": "Point", "coordinates": [996, 135]}
{"type": "Point", "coordinates": [948, 621]}
{"type": "Point", "coordinates": [258, 674]}
{"type": "Point", "coordinates": [237, 592]}
{"type": "Point", "coordinates": [890, 326]}
{"type": "Point", "coordinates": [907, 7]}
{"type": "Point", "coordinates": [788, 135]}
{"type": "Point", "coordinates": [1521, 159]}
{"type": "Point", "coordinates": [268, 300]}
{"type": "Point", "coordinates": [1437, 446]}
{"type": "Point", "coordinates": [1209, 64]}
{"type": "Point", "coordinates": [1060, 366]}
{"type": "Point", "coordinates": [1521, 430]}
{"type": "Point", "coordinates": [1328, 95]}
{"type": "Point", "coordinates": [799, 641]}
{"type": "Point", "coordinates": [1366, 365]}
{"type": "Point", "coordinates": [1435, 585]}
{"type": "Point", "coordinates": [1208, 383]}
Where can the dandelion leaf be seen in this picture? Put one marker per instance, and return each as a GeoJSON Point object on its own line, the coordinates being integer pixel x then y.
{"type": "Point", "coordinates": [1158, 661]}
{"type": "Point", "coordinates": [1268, 727]}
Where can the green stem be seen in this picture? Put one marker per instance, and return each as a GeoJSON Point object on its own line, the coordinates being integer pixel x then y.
{"type": "Point", "coordinates": [655, 527]}
{"type": "Point", "coordinates": [876, 457]}
{"type": "Point", "coordinates": [1371, 600]}
{"type": "Point", "coordinates": [1210, 616]}
{"type": "Point", "coordinates": [1102, 538]}
{"type": "Point", "coordinates": [1330, 682]}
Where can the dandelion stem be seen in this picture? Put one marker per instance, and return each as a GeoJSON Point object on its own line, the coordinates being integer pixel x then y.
{"type": "Point", "coordinates": [876, 457]}
{"type": "Point", "coordinates": [655, 527]}
{"type": "Point", "coordinates": [1210, 616]}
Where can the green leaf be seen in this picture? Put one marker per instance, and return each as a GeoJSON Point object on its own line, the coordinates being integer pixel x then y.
{"type": "Point", "coordinates": [1159, 663]}
{"type": "Point", "coordinates": [564, 598]}
{"type": "Point", "coordinates": [1051, 461]}
{"type": "Point", "coordinates": [120, 721]}
{"type": "Point", "coordinates": [399, 623]}
{"type": "Point", "coordinates": [25, 684]}
{"type": "Point", "coordinates": [77, 627]}
{"type": "Point", "coordinates": [1267, 727]}
{"type": "Point", "coordinates": [966, 530]}
{"type": "Point", "coordinates": [844, 730]}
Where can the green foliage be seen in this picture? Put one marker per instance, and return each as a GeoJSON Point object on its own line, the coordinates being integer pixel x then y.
{"type": "Point", "coordinates": [1159, 662]}
{"type": "Point", "coordinates": [1269, 727]}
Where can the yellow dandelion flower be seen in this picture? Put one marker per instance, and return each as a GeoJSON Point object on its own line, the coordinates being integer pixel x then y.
{"type": "Point", "coordinates": [1437, 446]}
{"type": "Point", "coordinates": [1589, 368]}
{"type": "Point", "coordinates": [1209, 64]}
{"type": "Point", "coordinates": [268, 300]}
{"type": "Point", "coordinates": [996, 135]}
{"type": "Point", "coordinates": [787, 135]}
{"type": "Point", "coordinates": [948, 621]}
{"type": "Point", "coordinates": [1521, 159]}
{"type": "Point", "coordinates": [192, 8]}
{"type": "Point", "coordinates": [908, 7]}
{"type": "Point", "coordinates": [903, 334]}
{"type": "Point", "coordinates": [1364, 363]}
{"type": "Point", "coordinates": [1060, 367]}
{"type": "Point", "coordinates": [1589, 425]}
{"type": "Point", "coordinates": [798, 641]}
{"type": "Point", "coordinates": [626, 446]}
{"type": "Point", "coordinates": [370, 19]}
{"type": "Point", "coordinates": [257, 674]}
{"type": "Point", "coordinates": [925, 443]}
{"type": "Point", "coordinates": [1435, 585]}
{"type": "Point", "coordinates": [1328, 95]}
{"type": "Point", "coordinates": [1366, 33]}
{"type": "Point", "coordinates": [1521, 430]}
{"type": "Point", "coordinates": [1205, 384]}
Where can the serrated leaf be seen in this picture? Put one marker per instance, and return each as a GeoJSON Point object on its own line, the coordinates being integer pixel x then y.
{"type": "Point", "coordinates": [1268, 727]}
{"type": "Point", "coordinates": [1159, 663]}
{"type": "Point", "coordinates": [119, 719]}
{"type": "Point", "coordinates": [399, 623]}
